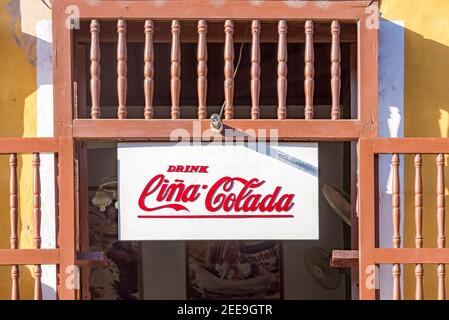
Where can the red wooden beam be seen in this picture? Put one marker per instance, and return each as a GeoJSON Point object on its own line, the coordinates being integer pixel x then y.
{"type": "Point", "coordinates": [28, 145]}
{"type": "Point", "coordinates": [176, 9]}
{"type": "Point", "coordinates": [28, 256]}
{"type": "Point", "coordinates": [162, 129]}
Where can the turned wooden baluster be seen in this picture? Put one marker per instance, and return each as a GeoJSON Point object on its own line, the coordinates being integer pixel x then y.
{"type": "Point", "coordinates": [335, 70]}
{"type": "Point", "coordinates": [37, 223]}
{"type": "Point", "coordinates": [229, 70]}
{"type": "Point", "coordinates": [419, 271]}
{"type": "Point", "coordinates": [122, 56]}
{"type": "Point", "coordinates": [148, 71]}
{"type": "Point", "coordinates": [175, 71]}
{"type": "Point", "coordinates": [255, 70]}
{"type": "Point", "coordinates": [282, 70]}
{"type": "Point", "coordinates": [13, 213]}
{"type": "Point", "coordinates": [309, 70]}
{"type": "Point", "coordinates": [396, 224]}
{"type": "Point", "coordinates": [202, 69]}
{"type": "Point", "coordinates": [95, 69]}
{"type": "Point", "coordinates": [441, 239]}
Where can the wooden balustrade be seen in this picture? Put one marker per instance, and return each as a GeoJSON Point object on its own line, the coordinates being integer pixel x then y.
{"type": "Point", "coordinates": [335, 70]}
{"type": "Point", "coordinates": [202, 69]}
{"type": "Point", "coordinates": [418, 219]}
{"type": "Point", "coordinates": [229, 70]}
{"type": "Point", "coordinates": [255, 69]}
{"type": "Point", "coordinates": [441, 238]}
{"type": "Point", "coordinates": [396, 206]}
{"type": "Point", "coordinates": [13, 214]}
{"type": "Point", "coordinates": [122, 57]}
{"type": "Point", "coordinates": [148, 71]}
{"type": "Point", "coordinates": [95, 70]}
{"type": "Point", "coordinates": [419, 270]}
{"type": "Point", "coordinates": [37, 224]}
{"type": "Point", "coordinates": [35, 256]}
{"type": "Point", "coordinates": [309, 70]}
{"type": "Point", "coordinates": [282, 70]}
{"type": "Point", "coordinates": [175, 71]}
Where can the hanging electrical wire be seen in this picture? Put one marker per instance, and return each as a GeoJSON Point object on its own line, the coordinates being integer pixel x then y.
{"type": "Point", "coordinates": [237, 66]}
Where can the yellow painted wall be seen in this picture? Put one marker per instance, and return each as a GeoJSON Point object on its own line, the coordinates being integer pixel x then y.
{"type": "Point", "coordinates": [18, 118]}
{"type": "Point", "coordinates": [426, 111]}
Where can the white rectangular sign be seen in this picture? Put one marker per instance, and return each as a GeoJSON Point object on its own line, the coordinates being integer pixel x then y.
{"type": "Point", "coordinates": [173, 191]}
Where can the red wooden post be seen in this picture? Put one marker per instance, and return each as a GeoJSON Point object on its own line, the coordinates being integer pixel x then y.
{"type": "Point", "coordinates": [309, 70]}
{"type": "Point", "coordinates": [367, 220]}
{"type": "Point", "coordinates": [122, 57]}
{"type": "Point", "coordinates": [255, 69]}
{"type": "Point", "coordinates": [63, 114]}
{"type": "Point", "coordinates": [229, 70]}
{"type": "Point", "coordinates": [95, 69]}
{"type": "Point", "coordinates": [282, 70]}
{"type": "Point", "coordinates": [335, 70]}
{"type": "Point", "coordinates": [202, 69]}
{"type": "Point", "coordinates": [148, 71]}
{"type": "Point", "coordinates": [13, 213]}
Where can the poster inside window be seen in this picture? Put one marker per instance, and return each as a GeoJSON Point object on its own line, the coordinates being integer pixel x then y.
{"type": "Point", "coordinates": [234, 270]}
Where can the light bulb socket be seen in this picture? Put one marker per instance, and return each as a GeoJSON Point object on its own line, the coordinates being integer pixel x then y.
{"type": "Point", "coordinates": [215, 123]}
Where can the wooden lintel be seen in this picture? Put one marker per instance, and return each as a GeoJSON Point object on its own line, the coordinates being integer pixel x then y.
{"type": "Point", "coordinates": [174, 130]}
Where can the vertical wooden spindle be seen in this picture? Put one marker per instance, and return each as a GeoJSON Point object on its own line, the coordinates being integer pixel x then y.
{"type": "Point", "coordinates": [148, 71]}
{"type": "Point", "coordinates": [175, 71]}
{"type": "Point", "coordinates": [396, 204]}
{"type": "Point", "coordinates": [95, 69]}
{"type": "Point", "coordinates": [255, 70]}
{"type": "Point", "coordinates": [202, 69]}
{"type": "Point", "coordinates": [309, 70]}
{"type": "Point", "coordinates": [37, 223]}
{"type": "Point", "coordinates": [13, 213]}
{"type": "Point", "coordinates": [441, 239]}
{"type": "Point", "coordinates": [335, 70]}
{"type": "Point", "coordinates": [282, 70]}
{"type": "Point", "coordinates": [122, 57]}
{"type": "Point", "coordinates": [229, 69]}
{"type": "Point", "coordinates": [419, 271]}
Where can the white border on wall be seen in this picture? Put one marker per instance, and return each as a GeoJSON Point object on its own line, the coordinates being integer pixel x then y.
{"type": "Point", "coordinates": [44, 128]}
{"type": "Point", "coordinates": [391, 124]}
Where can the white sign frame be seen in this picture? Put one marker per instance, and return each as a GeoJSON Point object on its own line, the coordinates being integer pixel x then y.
{"type": "Point", "coordinates": [290, 175]}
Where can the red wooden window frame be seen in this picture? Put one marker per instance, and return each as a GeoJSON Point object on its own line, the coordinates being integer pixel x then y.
{"type": "Point", "coordinates": [68, 130]}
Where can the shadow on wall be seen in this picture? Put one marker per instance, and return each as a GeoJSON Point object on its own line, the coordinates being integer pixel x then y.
{"type": "Point", "coordinates": [18, 91]}
{"type": "Point", "coordinates": [426, 115]}
{"type": "Point", "coordinates": [427, 87]}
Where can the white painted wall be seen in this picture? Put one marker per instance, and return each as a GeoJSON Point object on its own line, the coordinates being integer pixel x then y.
{"type": "Point", "coordinates": [44, 115]}
{"type": "Point", "coordinates": [391, 124]}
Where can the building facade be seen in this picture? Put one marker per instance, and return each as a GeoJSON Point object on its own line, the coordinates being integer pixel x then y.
{"type": "Point", "coordinates": [391, 68]}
